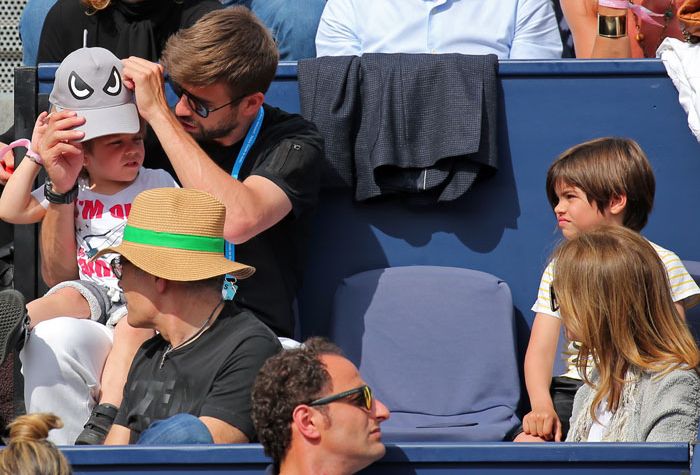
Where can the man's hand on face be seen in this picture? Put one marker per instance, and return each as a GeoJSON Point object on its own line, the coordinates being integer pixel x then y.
{"type": "Point", "coordinates": [60, 150]}
{"type": "Point", "coordinates": [146, 80]}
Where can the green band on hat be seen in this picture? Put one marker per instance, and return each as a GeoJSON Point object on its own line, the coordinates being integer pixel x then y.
{"type": "Point", "coordinates": [187, 242]}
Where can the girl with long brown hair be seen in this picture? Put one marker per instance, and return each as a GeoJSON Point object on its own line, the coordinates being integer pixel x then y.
{"type": "Point", "coordinates": [636, 355]}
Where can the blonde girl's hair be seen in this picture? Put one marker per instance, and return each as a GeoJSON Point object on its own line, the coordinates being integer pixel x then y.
{"type": "Point", "coordinates": [29, 452]}
{"type": "Point", "coordinates": [615, 300]}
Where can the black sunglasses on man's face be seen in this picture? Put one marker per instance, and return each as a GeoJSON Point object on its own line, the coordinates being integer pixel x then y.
{"type": "Point", "coordinates": [117, 266]}
{"type": "Point", "coordinates": [196, 104]}
{"type": "Point", "coordinates": [364, 399]}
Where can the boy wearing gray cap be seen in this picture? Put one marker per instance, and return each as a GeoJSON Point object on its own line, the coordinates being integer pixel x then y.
{"type": "Point", "coordinates": [92, 148]}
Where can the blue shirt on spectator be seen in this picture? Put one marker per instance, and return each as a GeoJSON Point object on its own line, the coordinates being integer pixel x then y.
{"type": "Point", "coordinates": [516, 29]}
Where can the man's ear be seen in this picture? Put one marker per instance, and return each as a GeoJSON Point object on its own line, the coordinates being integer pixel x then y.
{"type": "Point", "coordinates": [161, 284]}
{"type": "Point", "coordinates": [618, 204]}
{"type": "Point", "coordinates": [306, 420]}
{"type": "Point", "coordinates": [252, 103]}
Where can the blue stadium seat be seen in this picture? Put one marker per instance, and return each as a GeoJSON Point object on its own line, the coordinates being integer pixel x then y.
{"type": "Point", "coordinates": [437, 344]}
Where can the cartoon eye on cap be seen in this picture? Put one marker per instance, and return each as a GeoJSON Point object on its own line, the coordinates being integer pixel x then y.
{"type": "Point", "coordinates": [89, 82]}
{"type": "Point", "coordinates": [79, 88]}
{"type": "Point", "coordinates": [114, 83]}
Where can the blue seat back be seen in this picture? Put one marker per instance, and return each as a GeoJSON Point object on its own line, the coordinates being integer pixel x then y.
{"type": "Point", "coordinates": [438, 346]}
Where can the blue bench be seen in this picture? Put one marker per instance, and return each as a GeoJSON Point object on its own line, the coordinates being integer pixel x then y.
{"type": "Point", "coordinates": [414, 459]}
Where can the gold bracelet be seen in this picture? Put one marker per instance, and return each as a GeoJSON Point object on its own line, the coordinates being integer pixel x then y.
{"type": "Point", "coordinates": [614, 26]}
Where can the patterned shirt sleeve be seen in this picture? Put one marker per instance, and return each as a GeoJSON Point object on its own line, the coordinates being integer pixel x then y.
{"type": "Point", "coordinates": [683, 287]}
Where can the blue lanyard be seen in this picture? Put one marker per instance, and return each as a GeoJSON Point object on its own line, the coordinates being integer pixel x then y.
{"type": "Point", "coordinates": [250, 138]}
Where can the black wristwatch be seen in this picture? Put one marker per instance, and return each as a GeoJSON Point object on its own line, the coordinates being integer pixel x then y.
{"type": "Point", "coordinates": [59, 198]}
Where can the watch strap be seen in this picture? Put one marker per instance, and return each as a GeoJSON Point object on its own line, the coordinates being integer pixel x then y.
{"type": "Point", "coordinates": [59, 198]}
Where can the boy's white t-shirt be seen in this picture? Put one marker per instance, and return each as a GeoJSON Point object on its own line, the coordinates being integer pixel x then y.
{"type": "Point", "coordinates": [683, 288]}
{"type": "Point", "coordinates": [100, 221]}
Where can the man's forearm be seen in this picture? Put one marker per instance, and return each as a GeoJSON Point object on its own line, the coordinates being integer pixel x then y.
{"type": "Point", "coordinates": [251, 206]}
{"type": "Point", "coordinates": [58, 248]}
{"type": "Point", "coordinates": [192, 165]}
{"type": "Point", "coordinates": [118, 435]}
{"type": "Point", "coordinates": [244, 208]}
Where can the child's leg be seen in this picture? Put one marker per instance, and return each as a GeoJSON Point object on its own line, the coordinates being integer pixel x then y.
{"type": "Point", "coordinates": [127, 340]}
{"type": "Point", "coordinates": [68, 299]}
{"type": "Point", "coordinates": [64, 302]}
{"type": "Point", "coordinates": [73, 298]}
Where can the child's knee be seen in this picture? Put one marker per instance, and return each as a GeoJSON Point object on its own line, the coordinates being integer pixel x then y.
{"type": "Point", "coordinates": [70, 296]}
{"type": "Point", "coordinates": [64, 302]}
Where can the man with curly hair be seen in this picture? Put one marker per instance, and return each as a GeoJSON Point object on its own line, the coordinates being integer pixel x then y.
{"type": "Point", "coordinates": [314, 414]}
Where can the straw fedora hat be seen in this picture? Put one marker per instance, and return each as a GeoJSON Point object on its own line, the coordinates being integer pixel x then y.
{"type": "Point", "coordinates": [177, 234]}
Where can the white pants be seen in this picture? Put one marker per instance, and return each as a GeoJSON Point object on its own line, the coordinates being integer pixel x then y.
{"type": "Point", "coordinates": [62, 364]}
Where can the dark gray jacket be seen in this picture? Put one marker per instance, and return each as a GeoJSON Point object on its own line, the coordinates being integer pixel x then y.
{"type": "Point", "coordinates": [414, 124]}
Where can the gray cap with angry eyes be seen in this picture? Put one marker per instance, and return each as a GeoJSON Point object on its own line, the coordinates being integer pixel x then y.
{"type": "Point", "coordinates": [89, 82]}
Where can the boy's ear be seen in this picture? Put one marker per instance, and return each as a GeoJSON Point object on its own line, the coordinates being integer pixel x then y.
{"type": "Point", "coordinates": [618, 204]}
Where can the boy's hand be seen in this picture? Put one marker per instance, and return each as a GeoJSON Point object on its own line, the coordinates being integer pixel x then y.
{"type": "Point", "coordinates": [523, 437]}
{"type": "Point", "coordinates": [544, 423]}
{"type": "Point", "coordinates": [146, 80]}
{"type": "Point", "coordinates": [60, 150]}
{"type": "Point", "coordinates": [40, 127]}
{"type": "Point", "coordinates": [7, 163]}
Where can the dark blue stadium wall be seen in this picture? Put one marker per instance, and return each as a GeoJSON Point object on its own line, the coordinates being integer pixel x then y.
{"type": "Point", "coordinates": [505, 225]}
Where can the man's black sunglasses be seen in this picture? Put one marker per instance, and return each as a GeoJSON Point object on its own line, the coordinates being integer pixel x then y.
{"type": "Point", "coordinates": [364, 401]}
{"type": "Point", "coordinates": [196, 104]}
{"type": "Point", "coordinates": [117, 266]}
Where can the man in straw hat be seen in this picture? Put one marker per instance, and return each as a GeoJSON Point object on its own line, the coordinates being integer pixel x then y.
{"type": "Point", "coordinates": [191, 383]}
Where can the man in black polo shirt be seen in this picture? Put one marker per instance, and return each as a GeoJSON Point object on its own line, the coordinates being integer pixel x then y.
{"type": "Point", "coordinates": [191, 383]}
{"type": "Point", "coordinates": [261, 162]}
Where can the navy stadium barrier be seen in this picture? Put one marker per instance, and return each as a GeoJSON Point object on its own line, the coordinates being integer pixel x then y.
{"type": "Point", "coordinates": [402, 459]}
{"type": "Point", "coordinates": [504, 226]}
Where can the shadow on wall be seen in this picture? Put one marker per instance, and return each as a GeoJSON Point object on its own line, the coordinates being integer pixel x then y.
{"type": "Point", "coordinates": [478, 219]}
{"type": "Point", "coordinates": [350, 237]}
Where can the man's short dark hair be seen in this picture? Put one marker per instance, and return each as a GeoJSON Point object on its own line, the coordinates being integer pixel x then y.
{"type": "Point", "coordinates": [230, 45]}
{"type": "Point", "coordinates": [286, 380]}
